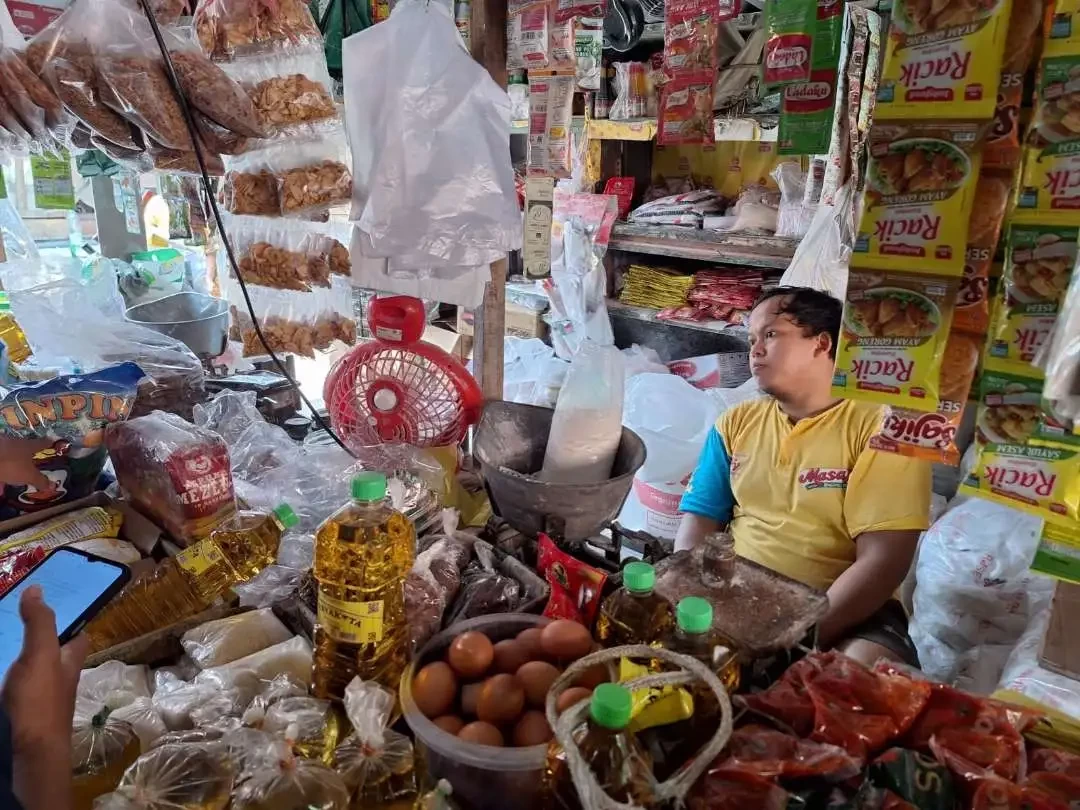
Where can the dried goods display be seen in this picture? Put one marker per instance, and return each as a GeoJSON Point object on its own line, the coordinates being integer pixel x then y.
{"type": "Point", "coordinates": [226, 29]}
{"type": "Point", "coordinates": [305, 188]}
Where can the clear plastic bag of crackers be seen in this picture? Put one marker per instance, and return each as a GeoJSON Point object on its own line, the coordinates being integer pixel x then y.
{"type": "Point", "coordinates": [227, 29]}
{"type": "Point", "coordinates": [376, 763]}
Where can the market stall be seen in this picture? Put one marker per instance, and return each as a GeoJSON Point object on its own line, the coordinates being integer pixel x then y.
{"type": "Point", "coordinates": [337, 607]}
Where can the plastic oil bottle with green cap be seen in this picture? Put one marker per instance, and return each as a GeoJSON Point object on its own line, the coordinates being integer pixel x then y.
{"type": "Point", "coordinates": [249, 540]}
{"type": "Point", "coordinates": [621, 766]}
{"type": "Point", "coordinates": [694, 636]}
{"type": "Point", "coordinates": [635, 613]}
{"type": "Point", "coordinates": [362, 554]}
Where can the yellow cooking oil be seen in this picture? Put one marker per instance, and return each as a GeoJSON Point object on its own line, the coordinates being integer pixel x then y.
{"type": "Point", "coordinates": [11, 334]}
{"type": "Point", "coordinates": [192, 581]}
{"type": "Point", "coordinates": [362, 554]}
{"type": "Point", "coordinates": [635, 613]}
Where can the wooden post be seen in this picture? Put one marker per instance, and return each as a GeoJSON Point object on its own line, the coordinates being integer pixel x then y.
{"type": "Point", "coordinates": [487, 41]}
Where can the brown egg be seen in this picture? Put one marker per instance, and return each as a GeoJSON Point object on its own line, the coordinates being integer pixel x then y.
{"type": "Point", "coordinates": [570, 697]}
{"type": "Point", "coordinates": [593, 676]}
{"type": "Point", "coordinates": [536, 677]}
{"type": "Point", "coordinates": [470, 694]}
{"type": "Point", "coordinates": [532, 729]}
{"type": "Point", "coordinates": [530, 639]}
{"type": "Point", "coordinates": [501, 699]}
{"type": "Point", "coordinates": [449, 723]}
{"type": "Point", "coordinates": [510, 655]}
{"type": "Point", "coordinates": [481, 733]}
{"type": "Point", "coordinates": [471, 654]}
{"type": "Point", "coordinates": [564, 640]}
{"type": "Point", "coordinates": [434, 689]}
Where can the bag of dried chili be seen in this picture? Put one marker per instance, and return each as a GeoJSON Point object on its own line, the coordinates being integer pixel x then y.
{"type": "Point", "coordinates": [775, 755]}
{"type": "Point", "coordinates": [787, 700]}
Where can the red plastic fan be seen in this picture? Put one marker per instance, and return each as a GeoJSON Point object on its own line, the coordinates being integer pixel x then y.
{"type": "Point", "coordinates": [396, 388]}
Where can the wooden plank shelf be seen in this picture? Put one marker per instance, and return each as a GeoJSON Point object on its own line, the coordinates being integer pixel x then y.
{"type": "Point", "coordinates": [767, 252]}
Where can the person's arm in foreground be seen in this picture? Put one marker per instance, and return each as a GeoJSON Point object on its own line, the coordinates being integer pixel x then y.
{"type": "Point", "coordinates": [708, 501]}
{"type": "Point", "coordinates": [39, 699]}
{"type": "Point", "coordinates": [882, 562]}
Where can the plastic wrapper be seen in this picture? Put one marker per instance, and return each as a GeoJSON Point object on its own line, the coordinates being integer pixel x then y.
{"type": "Point", "coordinates": [435, 579]}
{"type": "Point", "coordinates": [484, 590]}
{"type": "Point", "coordinates": [280, 254]}
{"type": "Point", "coordinates": [67, 529]}
{"type": "Point", "coordinates": [71, 76]}
{"type": "Point", "coordinates": [101, 749]}
{"type": "Point", "coordinates": [997, 794]}
{"type": "Point", "coordinates": [551, 101]}
{"type": "Point", "coordinates": [175, 776]}
{"type": "Point", "coordinates": [80, 137]}
{"type": "Point", "coordinates": [722, 790]}
{"type": "Point", "coordinates": [438, 798]}
{"type": "Point", "coordinates": [150, 455]}
{"type": "Point", "coordinates": [135, 85]}
{"type": "Point", "coordinates": [176, 702]}
{"type": "Point", "coordinates": [291, 658]}
{"type": "Point", "coordinates": [310, 724]}
{"type": "Point", "coordinates": [229, 28]}
{"type": "Point", "coordinates": [790, 31]}
{"type": "Point", "coordinates": [285, 781]}
{"type": "Point", "coordinates": [29, 114]}
{"type": "Point", "coordinates": [915, 778]}
{"type": "Point", "coordinates": [167, 12]}
{"type": "Point", "coordinates": [177, 161]}
{"type": "Point", "coordinates": [527, 35]}
{"type": "Point", "coordinates": [294, 322]}
{"type": "Point", "coordinates": [587, 425]}
{"type": "Point", "coordinates": [15, 564]}
{"type": "Point", "coordinates": [1061, 392]}
{"type": "Point", "coordinates": [217, 96]}
{"type": "Point", "coordinates": [133, 159]}
{"type": "Point", "coordinates": [223, 641]}
{"type": "Point", "coordinates": [1051, 760]}
{"type": "Point", "coordinates": [1023, 674]}
{"type": "Point", "coordinates": [375, 762]}
{"type": "Point", "coordinates": [114, 682]}
{"type": "Point", "coordinates": [69, 455]}
{"type": "Point", "coordinates": [686, 110]}
{"type": "Point", "coordinates": [794, 214]}
{"type": "Point", "coordinates": [251, 192]}
{"type": "Point", "coordinates": [775, 755]}
{"type": "Point", "coordinates": [291, 95]}
{"type": "Point", "coordinates": [141, 715]}
{"type": "Point", "coordinates": [289, 179]}
{"type": "Point", "coordinates": [36, 91]}
{"type": "Point", "coordinates": [218, 139]}
{"type": "Point", "coordinates": [690, 36]}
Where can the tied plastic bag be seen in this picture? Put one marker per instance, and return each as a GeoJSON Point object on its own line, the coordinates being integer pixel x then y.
{"type": "Point", "coordinates": [144, 719]}
{"type": "Point", "coordinates": [375, 762]}
{"type": "Point", "coordinates": [821, 260]}
{"type": "Point", "coordinates": [283, 781]}
{"type": "Point", "coordinates": [435, 579]}
{"type": "Point", "coordinates": [795, 214]}
{"type": "Point", "coordinates": [114, 682]}
{"type": "Point", "coordinates": [223, 641]}
{"type": "Point", "coordinates": [456, 210]}
{"type": "Point", "coordinates": [673, 418]}
{"type": "Point", "coordinates": [102, 747]}
{"type": "Point", "coordinates": [587, 425]}
{"type": "Point", "coordinates": [309, 723]}
{"type": "Point", "coordinates": [292, 658]}
{"type": "Point", "coordinates": [173, 776]}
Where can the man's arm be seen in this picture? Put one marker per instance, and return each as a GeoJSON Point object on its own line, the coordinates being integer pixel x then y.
{"type": "Point", "coordinates": [882, 561]}
{"type": "Point", "coordinates": [708, 501]}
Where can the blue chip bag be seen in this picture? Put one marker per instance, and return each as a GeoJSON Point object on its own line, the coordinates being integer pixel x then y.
{"type": "Point", "coordinates": [62, 424]}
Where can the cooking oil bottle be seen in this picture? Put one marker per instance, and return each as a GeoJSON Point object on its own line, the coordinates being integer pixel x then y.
{"type": "Point", "coordinates": [362, 554]}
{"type": "Point", "coordinates": [634, 614]}
{"type": "Point", "coordinates": [190, 582]}
{"type": "Point", "coordinates": [695, 637]}
{"type": "Point", "coordinates": [12, 334]}
{"type": "Point", "coordinates": [613, 754]}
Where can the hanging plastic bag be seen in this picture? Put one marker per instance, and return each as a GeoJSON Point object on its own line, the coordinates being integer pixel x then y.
{"type": "Point", "coordinates": [375, 762]}
{"type": "Point", "coordinates": [821, 260]}
{"type": "Point", "coordinates": [227, 29]}
{"type": "Point", "coordinates": [457, 207]}
{"type": "Point", "coordinates": [292, 95]}
{"type": "Point", "coordinates": [587, 425]}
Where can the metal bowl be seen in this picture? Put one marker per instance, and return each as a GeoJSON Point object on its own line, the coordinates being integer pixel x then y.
{"type": "Point", "coordinates": [510, 444]}
{"type": "Point", "coordinates": [200, 321]}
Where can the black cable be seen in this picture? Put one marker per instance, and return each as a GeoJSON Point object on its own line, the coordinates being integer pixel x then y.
{"type": "Point", "coordinates": [193, 131]}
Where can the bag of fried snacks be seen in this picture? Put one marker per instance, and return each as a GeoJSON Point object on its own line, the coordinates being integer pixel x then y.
{"type": "Point", "coordinates": [375, 762]}
{"type": "Point", "coordinates": [1039, 261]}
{"type": "Point", "coordinates": [70, 527]}
{"type": "Point", "coordinates": [932, 435]}
{"type": "Point", "coordinates": [291, 94]}
{"type": "Point", "coordinates": [892, 339]}
{"type": "Point", "coordinates": [280, 253]}
{"type": "Point", "coordinates": [284, 781]}
{"type": "Point", "coordinates": [183, 161]}
{"type": "Point", "coordinates": [175, 776]}
{"type": "Point", "coordinates": [984, 229]}
{"type": "Point", "coordinates": [227, 29]}
{"type": "Point", "coordinates": [213, 93]}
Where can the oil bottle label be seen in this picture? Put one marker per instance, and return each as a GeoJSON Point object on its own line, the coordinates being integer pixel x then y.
{"type": "Point", "coordinates": [200, 558]}
{"type": "Point", "coordinates": [351, 622]}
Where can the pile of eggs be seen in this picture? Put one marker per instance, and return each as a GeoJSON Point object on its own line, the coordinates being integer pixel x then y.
{"type": "Point", "coordinates": [493, 693]}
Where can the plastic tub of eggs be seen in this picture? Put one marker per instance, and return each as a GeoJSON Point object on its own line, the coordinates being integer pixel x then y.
{"type": "Point", "coordinates": [464, 682]}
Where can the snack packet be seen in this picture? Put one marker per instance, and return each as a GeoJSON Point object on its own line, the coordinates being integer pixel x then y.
{"type": "Point", "coordinates": [62, 530]}
{"type": "Point", "coordinates": [943, 60]}
{"type": "Point", "coordinates": [1039, 261]}
{"type": "Point", "coordinates": [921, 190]}
{"type": "Point", "coordinates": [686, 109]}
{"type": "Point", "coordinates": [893, 337]}
{"type": "Point", "coordinates": [589, 50]}
{"type": "Point", "coordinates": [226, 29]}
{"type": "Point", "coordinates": [790, 30]}
{"type": "Point", "coordinates": [806, 113]}
{"type": "Point", "coordinates": [984, 229]}
{"type": "Point", "coordinates": [551, 99]}
{"type": "Point", "coordinates": [690, 33]}
{"type": "Point", "coordinates": [67, 417]}
{"type": "Point", "coordinates": [576, 588]}
{"type": "Point", "coordinates": [527, 37]}
{"type": "Point", "coordinates": [1058, 555]}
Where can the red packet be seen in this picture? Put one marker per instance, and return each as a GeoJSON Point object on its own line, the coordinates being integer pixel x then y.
{"type": "Point", "coordinates": [576, 588]}
{"type": "Point", "coordinates": [686, 109]}
{"type": "Point", "coordinates": [622, 189]}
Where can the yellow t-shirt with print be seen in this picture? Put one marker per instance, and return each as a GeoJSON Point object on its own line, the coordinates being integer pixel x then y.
{"type": "Point", "coordinates": [801, 493]}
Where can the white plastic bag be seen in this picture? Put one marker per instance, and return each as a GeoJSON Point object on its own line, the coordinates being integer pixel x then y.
{"type": "Point", "coordinates": [673, 419]}
{"type": "Point", "coordinates": [222, 641]}
{"type": "Point", "coordinates": [973, 584]}
{"type": "Point", "coordinates": [532, 374]}
{"type": "Point", "coordinates": [795, 214]}
{"type": "Point", "coordinates": [292, 658]}
{"type": "Point", "coordinates": [427, 124]}
{"type": "Point", "coordinates": [821, 260]}
{"type": "Point", "coordinates": [1024, 675]}
{"type": "Point", "coordinates": [587, 425]}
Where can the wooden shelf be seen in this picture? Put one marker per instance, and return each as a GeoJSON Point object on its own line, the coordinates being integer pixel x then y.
{"type": "Point", "coordinates": [637, 129]}
{"type": "Point", "coordinates": [768, 252]}
{"type": "Point", "coordinates": [763, 128]}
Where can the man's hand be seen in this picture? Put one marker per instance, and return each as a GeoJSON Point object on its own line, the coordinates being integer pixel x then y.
{"type": "Point", "coordinates": [39, 698]}
{"type": "Point", "coordinates": [17, 462]}
{"type": "Point", "coordinates": [693, 530]}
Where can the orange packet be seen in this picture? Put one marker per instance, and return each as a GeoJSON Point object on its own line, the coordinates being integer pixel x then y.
{"type": "Point", "coordinates": [984, 229]}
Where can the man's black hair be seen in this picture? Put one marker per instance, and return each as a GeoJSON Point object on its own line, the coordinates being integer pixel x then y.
{"type": "Point", "coordinates": [816, 312]}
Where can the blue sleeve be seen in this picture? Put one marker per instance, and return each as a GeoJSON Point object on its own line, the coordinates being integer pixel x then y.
{"type": "Point", "coordinates": [709, 492]}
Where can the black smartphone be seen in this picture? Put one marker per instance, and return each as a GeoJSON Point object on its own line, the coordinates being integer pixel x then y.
{"type": "Point", "coordinates": [74, 583]}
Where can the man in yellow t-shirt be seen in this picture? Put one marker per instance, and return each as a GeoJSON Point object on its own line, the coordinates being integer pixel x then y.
{"type": "Point", "coordinates": [791, 477]}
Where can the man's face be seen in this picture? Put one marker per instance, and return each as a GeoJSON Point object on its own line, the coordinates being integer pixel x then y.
{"type": "Point", "coordinates": [782, 358]}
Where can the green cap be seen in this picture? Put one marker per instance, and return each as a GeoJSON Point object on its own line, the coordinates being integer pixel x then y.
{"type": "Point", "coordinates": [694, 615]}
{"type": "Point", "coordinates": [611, 706]}
{"type": "Point", "coordinates": [639, 577]}
{"type": "Point", "coordinates": [369, 486]}
{"type": "Point", "coordinates": [285, 515]}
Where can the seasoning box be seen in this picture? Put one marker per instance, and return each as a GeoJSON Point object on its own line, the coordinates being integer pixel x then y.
{"type": "Point", "coordinates": [920, 189]}
{"type": "Point", "coordinates": [943, 59]}
{"type": "Point", "coordinates": [1039, 262]}
{"type": "Point", "coordinates": [893, 337]}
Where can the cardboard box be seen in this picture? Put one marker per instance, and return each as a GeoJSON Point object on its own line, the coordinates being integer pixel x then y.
{"type": "Point", "coordinates": [520, 322]}
{"type": "Point", "coordinates": [453, 343]}
{"type": "Point", "coordinates": [1061, 647]}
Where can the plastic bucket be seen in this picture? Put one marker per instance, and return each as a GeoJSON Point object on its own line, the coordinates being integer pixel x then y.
{"type": "Point", "coordinates": [483, 776]}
